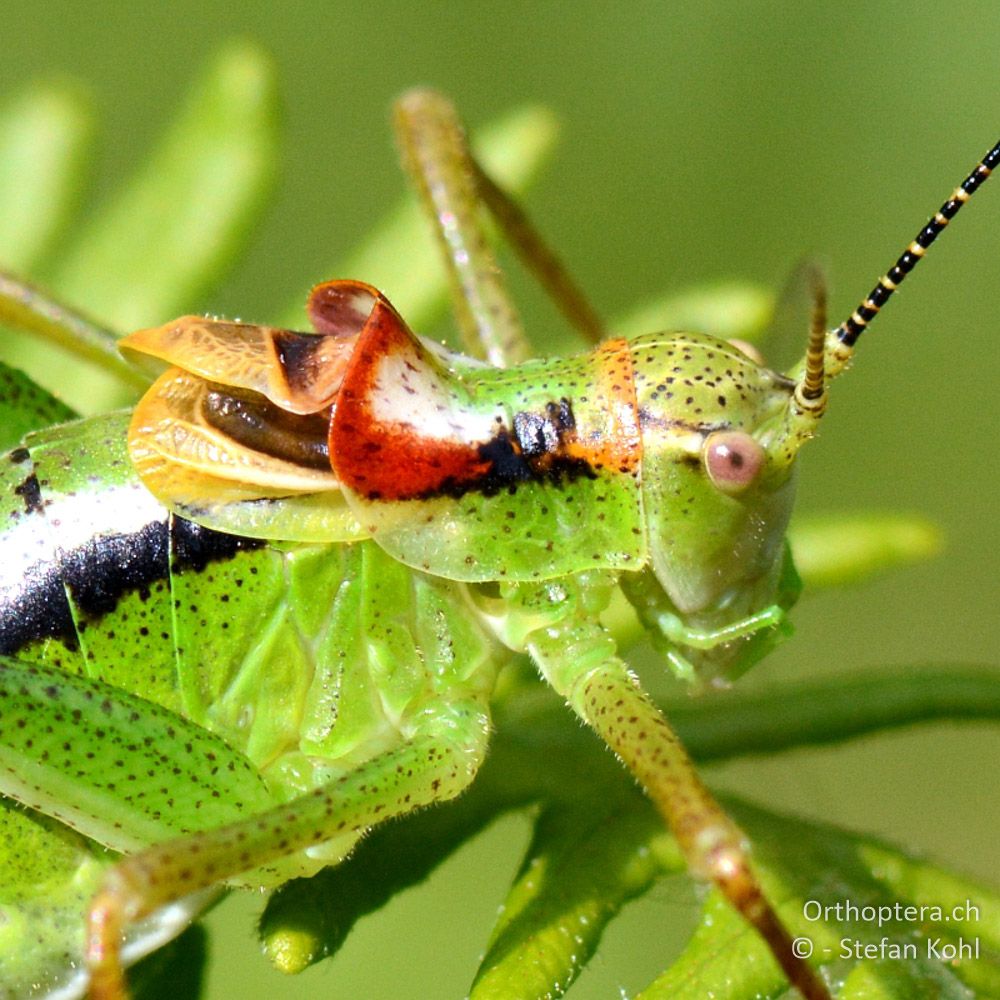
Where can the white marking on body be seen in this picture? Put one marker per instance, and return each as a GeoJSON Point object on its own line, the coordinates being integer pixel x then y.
{"type": "Point", "coordinates": [409, 391]}
{"type": "Point", "coordinates": [67, 523]}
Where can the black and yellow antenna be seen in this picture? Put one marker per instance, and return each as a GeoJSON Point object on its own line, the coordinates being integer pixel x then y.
{"type": "Point", "coordinates": [840, 343]}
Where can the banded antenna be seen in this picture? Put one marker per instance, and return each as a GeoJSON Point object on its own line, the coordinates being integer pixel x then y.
{"type": "Point", "coordinates": [852, 328]}
{"type": "Point", "coordinates": [829, 353]}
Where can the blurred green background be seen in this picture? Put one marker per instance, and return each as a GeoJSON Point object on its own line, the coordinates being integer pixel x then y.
{"type": "Point", "coordinates": [707, 141]}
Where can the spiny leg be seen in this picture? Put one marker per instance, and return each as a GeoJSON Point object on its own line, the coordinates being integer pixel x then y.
{"type": "Point", "coordinates": [452, 187]}
{"type": "Point", "coordinates": [579, 661]}
{"type": "Point", "coordinates": [437, 763]}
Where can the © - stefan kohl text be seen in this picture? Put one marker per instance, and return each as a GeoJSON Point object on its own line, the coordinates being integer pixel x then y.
{"type": "Point", "coordinates": [934, 948]}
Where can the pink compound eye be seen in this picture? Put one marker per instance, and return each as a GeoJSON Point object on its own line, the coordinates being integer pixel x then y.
{"type": "Point", "coordinates": [732, 460]}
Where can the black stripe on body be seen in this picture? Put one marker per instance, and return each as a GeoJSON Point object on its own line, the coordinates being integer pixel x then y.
{"type": "Point", "coordinates": [510, 467]}
{"type": "Point", "coordinates": [101, 571]}
{"type": "Point", "coordinates": [39, 611]}
{"type": "Point", "coordinates": [534, 453]}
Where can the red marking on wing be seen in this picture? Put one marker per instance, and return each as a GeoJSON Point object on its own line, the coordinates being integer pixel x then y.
{"type": "Point", "coordinates": [388, 459]}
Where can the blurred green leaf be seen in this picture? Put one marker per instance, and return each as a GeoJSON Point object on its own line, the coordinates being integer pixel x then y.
{"type": "Point", "coordinates": [46, 134]}
{"type": "Point", "coordinates": [833, 709]}
{"type": "Point", "coordinates": [834, 550]}
{"type": "Point", "coordinates": [168, 235]}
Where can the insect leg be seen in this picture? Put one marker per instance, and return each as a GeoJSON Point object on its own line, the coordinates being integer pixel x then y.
{"type": "Point", "coordinates": [578, 659]}
{"type": "Point", "coordinates": [436, 157]}
{"type": "Point", "coordinates": [439, 761]}
{"type": "Point", "coordinates": [453, 186]}
{"type": "Point", "coordinates": [539, 257]}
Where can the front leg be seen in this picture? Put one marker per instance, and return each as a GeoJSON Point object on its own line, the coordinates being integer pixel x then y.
{"type": "Point", "coordinates": [579, 660]}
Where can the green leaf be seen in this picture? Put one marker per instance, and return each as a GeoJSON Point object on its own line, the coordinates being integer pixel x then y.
{"type": "Point", "coordinates": [46, 134]}
{"type": "Point", "coordinates": [167, 236]}
{"type": "Point", "coordinates": [816, 874]}
{"type": "Point", "coordinates": [833, 550]}
{"type": "Point", "coordinates": [582, 866]}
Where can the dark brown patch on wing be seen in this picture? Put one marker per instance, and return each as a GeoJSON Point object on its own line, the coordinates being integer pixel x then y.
{"type": "Point", "coordinates": [255, 422]}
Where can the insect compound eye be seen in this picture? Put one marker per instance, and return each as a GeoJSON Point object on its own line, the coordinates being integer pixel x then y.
{"type": "Point", "coordinates": [732, 460]}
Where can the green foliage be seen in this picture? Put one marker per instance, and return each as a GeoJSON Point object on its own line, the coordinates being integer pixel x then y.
{"type": "Point", "coordinates": [155, 249]}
